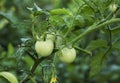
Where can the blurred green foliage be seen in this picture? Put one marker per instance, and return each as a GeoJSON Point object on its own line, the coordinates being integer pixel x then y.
{"type": "Point", "coordinates": [16, 23]}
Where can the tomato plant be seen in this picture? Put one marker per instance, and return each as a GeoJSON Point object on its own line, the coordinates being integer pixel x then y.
{"type": "Point", "coordinates": [46, 37]}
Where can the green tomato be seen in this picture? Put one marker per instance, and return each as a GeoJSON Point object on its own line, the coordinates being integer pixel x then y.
{"type": "Point", "coordinates": [112, 7]}
{"type": "Point", "coordinates": [44, 48]}
{"type": "Point", "coordinates": [68, 55]}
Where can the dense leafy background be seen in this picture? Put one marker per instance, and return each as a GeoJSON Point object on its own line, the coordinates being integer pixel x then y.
{"type": "Point", "coordinates": [102, 67]}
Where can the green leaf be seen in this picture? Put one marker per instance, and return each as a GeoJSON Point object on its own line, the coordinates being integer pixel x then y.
{"type": "Point", "coordinates": [28, 60]}
{"type": "Point", "coordinates": [33, 80]}
{"type": "Point", "coordinates": [95, 64]}
{"type": "Point", "coordinates": [87, 10]}
{"type": "Point", "coordinates": [79, 20]}
{"type": "Point", "coordinates": [37, 10]}
{"type": "Point", "coordinates": [3, 22]}
{"type": "Point", "coordinates": [57, 20]}
{"type": "Point", "coordinates": [8, 16]}
{"type": "Point", "coordinates": [9, 76]}
{"type": "Point", "coordinates": [97, 44]}
{"type": "Point", "coordinates": [10, 49]}
{"type": "Point", "coordinates": [20, 52]}
{"type": "Point", "coordinates": [116, 30]}
{"type": "Point", "coordinates": [116, 45]}
{"type": "Point", "coordinates": [60, 12]}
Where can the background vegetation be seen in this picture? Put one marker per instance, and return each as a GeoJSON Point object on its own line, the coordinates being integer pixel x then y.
{"type": "Point", "coordinates": [98, 59]}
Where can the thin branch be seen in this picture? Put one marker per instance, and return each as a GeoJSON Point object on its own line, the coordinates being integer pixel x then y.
{"type": "Point", "coordinates": [93, 28]}
{"type": "Point", "coordinates": [83, 50]}
{"type": "Point", "coordinates": [36, 63]}
{"type": "Point", "coordinates": [32, 57]}
{"type": "Point", "coordinates": [115, 29]}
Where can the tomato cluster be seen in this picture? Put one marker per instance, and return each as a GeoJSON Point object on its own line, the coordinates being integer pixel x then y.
{"type": "Point", "coordinates": [45, 45]}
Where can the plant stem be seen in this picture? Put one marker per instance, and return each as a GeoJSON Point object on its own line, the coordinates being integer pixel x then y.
{"type": "Point", "coordinates": [93, 28]}
{"type": "Point", "coordinates": [83, 50]}
{"type": "Point", "coordinates": [32, 57]}
{"type": "Point", "coordinates": [36, 63]}
{"type": "Point", "coordinates": [115, 30]}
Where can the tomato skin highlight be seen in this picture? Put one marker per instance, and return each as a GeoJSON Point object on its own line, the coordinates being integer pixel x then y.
{"type": "Point", "coordinates": [44, 48]}
{"type": "Point", "coordinates": [68, 55]}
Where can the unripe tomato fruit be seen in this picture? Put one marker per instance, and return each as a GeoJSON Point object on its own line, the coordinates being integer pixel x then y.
{"type": "Point", "coordinates": [44, 48]}
{"type": "Point", "coordinates": [68, 55]}
{"type": "Point", "coordinates": [112, 7]}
